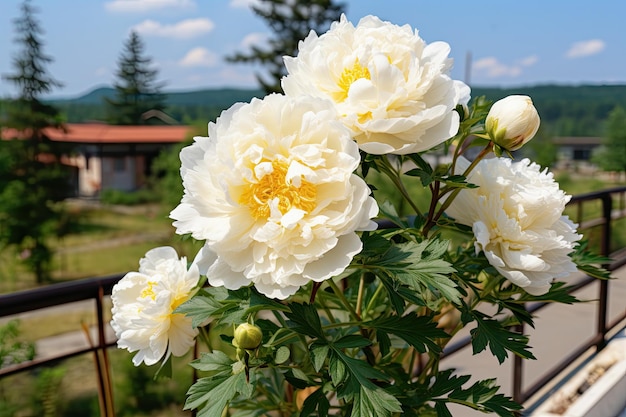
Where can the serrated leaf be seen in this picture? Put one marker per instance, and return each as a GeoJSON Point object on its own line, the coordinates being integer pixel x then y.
{"type": "Point", "coordinates": [315, 400]}
{"type": "Point", "coordinates": [421, 265]}
{"type": "Point", "coordinates": [558, 293]}
{"type": "Point", "coordinates": [211, 395]}
{"type": "Point", "coordinates": [200, 308]}
{"type": "Point", "coordinates": [490, 332]}
{"type": "Point", "coordinates": [351, 341]}
{"type": "Point", "coordinates": [213, 361]}
{"type": "Point", "coordinates": [374, 402]}
{"type": "Point", "coordinates": [358, 373]}
{"type": "Point", "coordinates": [303, 319]}
{"type": "Point", "coordinates": [418, 331]}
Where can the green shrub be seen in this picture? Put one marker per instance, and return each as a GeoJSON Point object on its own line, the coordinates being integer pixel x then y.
{"type": "Point", "coordinates": [128, 198]}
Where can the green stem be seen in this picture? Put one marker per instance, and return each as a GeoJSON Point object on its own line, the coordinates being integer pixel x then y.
{"type": "Point", "coordinates": [344, 300]}
{"type": "Point", "coordinates": [359, 296]}
{"type": "Point", "coordinates": [397, 181]}
{"type": "Point", "coordinates": [456, 191]}
{"type": "Point", "coordinates": [376, 294]}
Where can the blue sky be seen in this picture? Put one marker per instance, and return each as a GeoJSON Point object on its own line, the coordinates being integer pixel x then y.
{"type": "Point", "coordinates": [511, 43]}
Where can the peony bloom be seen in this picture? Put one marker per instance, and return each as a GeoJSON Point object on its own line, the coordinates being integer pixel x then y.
{"type": "Point", "coordinates": [512, 122]}
{"type": "Point", "coordinates": [389, 87]}
{"type": "Point", "coordinates": [272, 191]}
{"type": "Point", "coordinates": [516, 214]}
{"type": "Point", "coordinates": [143, 305]}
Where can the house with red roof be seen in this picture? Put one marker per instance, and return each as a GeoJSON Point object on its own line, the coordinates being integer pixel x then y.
{"type": "Point", "coordinates": [112, 157]}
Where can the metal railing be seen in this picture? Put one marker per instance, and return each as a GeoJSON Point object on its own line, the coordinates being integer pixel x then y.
{"type": "Point", "coordinates": [97, 288]}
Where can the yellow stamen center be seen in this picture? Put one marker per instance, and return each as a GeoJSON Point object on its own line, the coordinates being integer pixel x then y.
{"type": "Point", "coordinates": [350, 75]}
{"type": "Point", "coordinates": [149, 291]}
{"type": "Point", "coordinates": [273, 186]}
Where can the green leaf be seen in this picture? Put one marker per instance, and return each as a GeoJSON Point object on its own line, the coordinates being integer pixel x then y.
{"type": "Point", "coordinates": [352, 341]}
{"type": "Point", "coordinates": [421, 266]}
{"type": "Point", "coordinates": [492, 333]}
{"type": "Point", "coordinates": [356, 372]}
{"type": "Point", "coordinates": [418, 331]}
{"type": "Point", "coordinates": [214, 393]}
{"type": "Point", "coordinates": [559, 293]}
{"type": "Point", "coordinates": [591, 263]}
{"type": "Point", "coordinates": [200, 308]}
{"type": "Point", "coordinates": [303, 319]}
{"type": "Point", "coordinates": [282, 354]}
{"type": "Point", "coordinates": [374, 402]}
{"type": "Point", "coordinates": [316, 400]}
{"type": "Point", "coordinates": [319, 353]}
{"type": "Point", "coordinates": [214, 361]}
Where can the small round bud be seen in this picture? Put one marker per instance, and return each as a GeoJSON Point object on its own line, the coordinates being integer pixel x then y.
{"type": "Point", "coordinates": [247, 336]}
{"type": "Point", "coordinates": [512, 122]}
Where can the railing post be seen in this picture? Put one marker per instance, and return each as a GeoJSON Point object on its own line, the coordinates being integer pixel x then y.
{"type": "Point", "coordinates": [518, 371]}
{"type": "Point", "coordinates": [603, 293]}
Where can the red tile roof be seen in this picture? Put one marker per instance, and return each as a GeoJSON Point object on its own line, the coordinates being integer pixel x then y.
{"type": "Point", "coordinates": [102, 133]}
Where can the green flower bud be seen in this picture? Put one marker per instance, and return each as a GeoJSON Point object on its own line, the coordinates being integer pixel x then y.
{"type": "Point", "coordinates": [247, 336]}
{"type": "Point", "coordinates": [512, 122]}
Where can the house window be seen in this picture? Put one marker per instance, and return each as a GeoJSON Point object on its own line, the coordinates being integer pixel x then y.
{"type": "Point", "coordinates": [119, 164]}
{"type": "Point", "coordinates": [582, 154]}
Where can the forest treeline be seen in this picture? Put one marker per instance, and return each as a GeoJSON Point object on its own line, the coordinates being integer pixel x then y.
{"type": "Point", "coordinates": [564, 110]}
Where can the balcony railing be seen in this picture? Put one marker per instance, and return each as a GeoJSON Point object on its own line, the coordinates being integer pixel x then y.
{"type": "Point", "coordinates": [611, 204]}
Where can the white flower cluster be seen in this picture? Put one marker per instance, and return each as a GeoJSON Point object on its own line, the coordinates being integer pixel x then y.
{"type": "Point", "coordinates": [516, 214]}
{"type": "Point", "coordinates": [273, 193]}
{"type": "Point", "coordinates": [272, 190]}
{"type": "Point", "coordinates": [390, 88]}
{"type": "Point", "coordinates": [143, 306]}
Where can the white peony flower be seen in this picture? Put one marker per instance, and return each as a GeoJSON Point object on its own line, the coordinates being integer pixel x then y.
{"type": "Point", "coordinates": [512, 121]}
{"type": "Point", "coordinates": [516, 214]}
{"type": "Point", "coordinates": [272, 191]}
{"type": "Point", "coordinates": [391, 88]}
{"type": "Point", "coordinates": [143, 305]}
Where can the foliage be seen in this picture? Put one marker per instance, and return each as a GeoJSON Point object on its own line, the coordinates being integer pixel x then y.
{"type": "Point", "coordinates": [136, 88]}
{"type": "Point", "coordinates": [13, 350]}
{"type": "Point", "coordinates": [31, 176]}
{"type": "Point", "coordinates": [289, 21]}
{"type": "Point", "coordinates": [612, 155]}
{"type": "Point", "coordinates": [128, 198]}
{"type": "Point", "coordinates": [352, 345]}
{"type": "Point", "coordinates": [303, 304]}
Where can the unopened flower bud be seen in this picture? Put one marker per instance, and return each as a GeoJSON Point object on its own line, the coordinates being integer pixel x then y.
{"type": "Point", "coordinates": [512, 122]}
{"type": "Point", "coordinates": [247, 336]}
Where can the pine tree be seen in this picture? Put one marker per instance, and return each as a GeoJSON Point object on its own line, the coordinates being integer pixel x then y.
{"type": "Point", "coordinates": [291, 21]}
{"type": "Point", "coordinates": [32, 178]}
{"type": "Point", "coordinates": [136, 90]}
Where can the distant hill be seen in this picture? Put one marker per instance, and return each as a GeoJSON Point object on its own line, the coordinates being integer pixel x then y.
{"type": "Point", "coordinates": [564, 110]}
{"type": "Point", "coordinates": [209, 97]}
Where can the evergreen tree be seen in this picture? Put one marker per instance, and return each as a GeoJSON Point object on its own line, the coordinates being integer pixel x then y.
{"type": "Point", "coordinates": [136, 90]}
{"type": "Point", "coordinates": [291, 21]}
{"type": "Point", "coordinates": [32, 178]}
{"type": "Point", "coordinates": [612, 155]}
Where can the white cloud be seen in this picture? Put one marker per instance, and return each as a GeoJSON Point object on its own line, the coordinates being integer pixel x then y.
{"type": "Point", "coordinates": [585, 48]}
{"type": "Point", "coordinates": [199, 57]}
{"type": "Point", "coordinates": [529, 61]}
{"type": "Point", "coordinates": [242, 4]}
{"type": "Point", "coordinates": [140, 6]}
{"type": "Point", "coordinates": [254, 39]}
{"type": "Point", "coordinates": [493, 68]}
{"type": "Point", "coordinates": [184, 29]}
